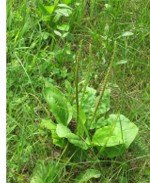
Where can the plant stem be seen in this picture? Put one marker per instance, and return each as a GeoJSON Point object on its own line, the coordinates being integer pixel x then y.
{"type": "Point", "coordinates": [88, 74]}
{"type": "Point", "coordinates": [76, 85]}
{"type": "Point", "coordinates": [101, 92]}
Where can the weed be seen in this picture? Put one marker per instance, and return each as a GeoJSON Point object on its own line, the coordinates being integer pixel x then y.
{"type": "Point", "coordinates": [43, 41]}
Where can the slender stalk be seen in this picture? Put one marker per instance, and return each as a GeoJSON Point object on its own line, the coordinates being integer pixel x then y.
{"type": "Point", "coordinates": [88, 74]}
{"type": "Point", "coordinates": [76, 85]}
{"type": "Point", "coordinates": [101, 92]}
{"type": "Point", "coordinates": [81, 128]}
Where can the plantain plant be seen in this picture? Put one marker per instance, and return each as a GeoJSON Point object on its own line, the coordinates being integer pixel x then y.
{"type": "Point", "coordinates": [111, 134]}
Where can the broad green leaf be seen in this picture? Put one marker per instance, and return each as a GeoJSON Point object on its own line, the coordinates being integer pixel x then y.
{"type": "Point", "coordinates": [63, 12]}
{"type": "Point", "coordinates": [88, 103]}
{"type": "Point", "coordinates": [67, 1]}
{"type": "Point", "coordinates": [119, 131]}
{"type": "Point", "coordinates": [127, 33]}
{"type": "Point", "coordinates": [64, 132]}
{"type": "Point", "coordinates": [64, 6]}
{"type": "Point", "coordinates": [88, 100]}
{"type": "Point", "coordinates": [121, 62]}
{"type": "Point", "coordinates": [105, 103]}
{"type": "Point", "coordinates": [57, 33]}
{"type": "Point", "coordinates": [63, 27]}
{"type": "Point", "coordinates": [49, 9]}
{"type": "Point", "coordinates": [108, 6]}
{"type": "Point", "coordinates": [68, 87]}
{"type": "Point", "coordinates": [57, 17]}
{"type": "Point", "coordinates": [99, 123]}
{"type": "Point", "coordinates": [65, 34]}
{"type": "Point", "coordinates": [87, 175]}
{"type": "Point", "coordinates": [48, 124]}
{"type": "Point", "coordinates": [46, 10]}
{"type": "Point", "coordinates": [43, 10]}
{"type": "Point", "coordinates": [129, 129]}
{"type": "Point", "coordinates": [45, 35]}
{"type": "Point", "coordinates": [107, 136]}
{"type": "Point", "coordinates": [58, 105]}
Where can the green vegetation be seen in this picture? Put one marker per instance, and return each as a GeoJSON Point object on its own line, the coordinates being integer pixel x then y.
{"type": "Point", "coordinates": [78, 91]}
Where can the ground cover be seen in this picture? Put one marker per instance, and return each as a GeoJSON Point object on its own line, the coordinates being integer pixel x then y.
{"type": "Point", "coordinates": [70, 44]}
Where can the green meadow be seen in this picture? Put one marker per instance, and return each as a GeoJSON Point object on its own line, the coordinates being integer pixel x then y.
{"type": "Point", "coordinates": [78, 91]}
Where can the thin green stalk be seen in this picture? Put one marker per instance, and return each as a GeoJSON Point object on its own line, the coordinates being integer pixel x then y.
{"type": "Point", "coordinates": [101, 92]}
{"type": "Point", "coordinates": [80, 126]}
{"type": "Point", "coordinates": [92, 8]}
{"type": "Point", "coordinates": [88, 74]}
{"type": "Point", "coordinates": [25, 70]}
{"type": "Point", "coordinates": [76, 85]}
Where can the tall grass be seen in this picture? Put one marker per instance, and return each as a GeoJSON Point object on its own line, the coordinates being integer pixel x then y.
{"type": "Point", "coordinates": [36, 55]}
